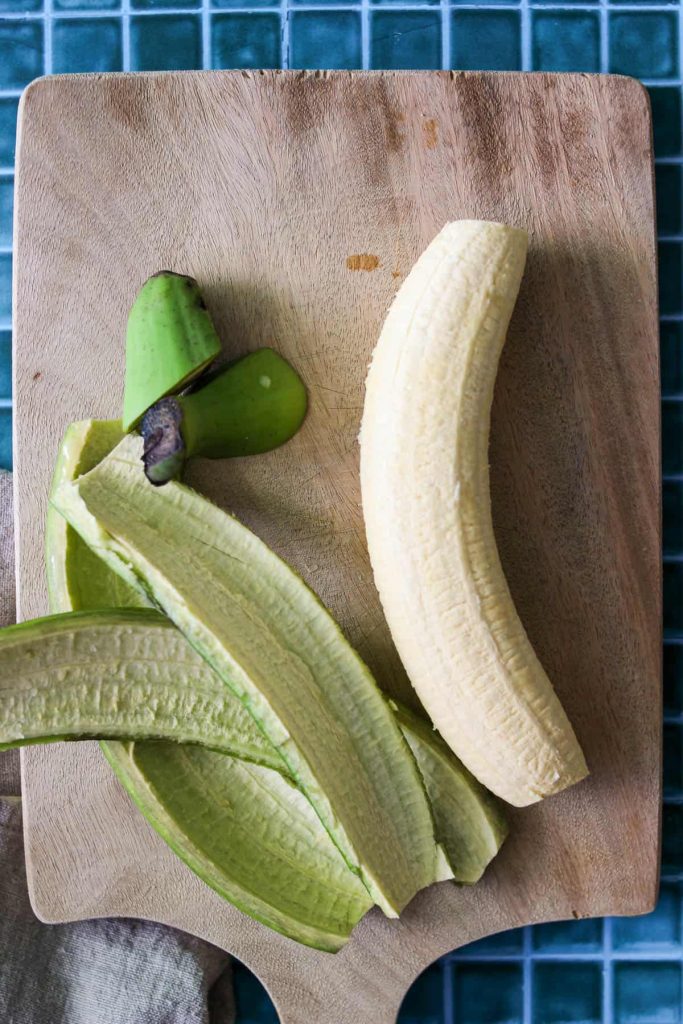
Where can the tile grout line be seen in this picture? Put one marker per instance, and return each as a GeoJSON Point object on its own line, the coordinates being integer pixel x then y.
{"type": "Point", "coordinates": [413, 5]}
{"type": "Point", "coordinates": [527, 977]}
{"type": "Point", "coordinates": [608, 973]}
{"type": "Point", "coordinates": [365, 34]}
{"type": "Point", "coordinates": [206, 35]}
{"type": "Point", "coordinates": [679, 56]}
{"type": "Point", "coordinates": [445, 35]}
{"type": "Point", "coordinates": [604, 37]}
{"type": "Point", "coordinates": [525, 35]}
{"type": "Point", "coordinates": [598, 957]}
{"type": "Point", "coordinates": [447, 991]}
{"type": "Point", "coordinates": [668, 161]}
{"type": "Point", "coordinates": [47, 41]}
{"type": "Point", "coordinates": [680, 932]}
{"type": "Point", "coordinates": [284, 34]}
{"type": "Point", "coordinates": [125, 34]}
{"type": "Point", "coordinates": [661, 238]}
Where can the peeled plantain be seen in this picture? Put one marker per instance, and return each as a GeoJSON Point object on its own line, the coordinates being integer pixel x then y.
{"type": "Point", "coordinates": [426, 502]}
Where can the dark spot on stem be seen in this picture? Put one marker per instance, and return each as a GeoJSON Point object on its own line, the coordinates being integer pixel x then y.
{"type": "Point", "coordinates": [163, 445]}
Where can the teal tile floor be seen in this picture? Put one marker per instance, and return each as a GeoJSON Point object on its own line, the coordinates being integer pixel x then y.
{"type": "Point", "coordinates": [565, 40]}
{"type": "Point", "coordinates": [616, 971]}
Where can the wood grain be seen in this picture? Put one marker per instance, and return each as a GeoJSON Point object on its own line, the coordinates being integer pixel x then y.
{"type": "Point", "coordinates": [299, 200]}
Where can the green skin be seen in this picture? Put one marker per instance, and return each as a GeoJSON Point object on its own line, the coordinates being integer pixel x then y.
{"type": "Point", "coordinates": [179, 788]}
{"type": "Point", "coordinates": [252, 406]}
{"type": "Point", "coordinates": [250, 834]}
{"type": "Point", "coordinates": [77, 579]}
{"type": "Point", "coordinates": [87, 675]}
{"type": "Point", "coordinates": [275, 645]}
{"type": "Point", "coordinates": [170, 340]}
{"type": "Point", "coordinates": [227, 810]}
{"type": "Point", "coordinates": [468, 821]}
{"type": "Point", "coordinates": [162, 778]}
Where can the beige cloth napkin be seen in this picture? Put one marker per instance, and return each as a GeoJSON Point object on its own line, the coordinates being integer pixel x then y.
{"type": "Point", "coordinates": [92, 972]}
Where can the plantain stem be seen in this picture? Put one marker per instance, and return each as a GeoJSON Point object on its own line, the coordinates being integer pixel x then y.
{"type": "Point", "coordinates": [164, 449]}
{"type": "Point", "coordinates": [251, 406]}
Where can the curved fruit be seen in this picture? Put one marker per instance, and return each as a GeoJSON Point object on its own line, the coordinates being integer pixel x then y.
{"type": "Point", "coordinates": [252, 406]}
{"type": "Point", "coordinates": [426, 502]}
{"type": "Point", "coordinates": [170, 339]}
{"type": "Point", "coordinates": [278, 649]}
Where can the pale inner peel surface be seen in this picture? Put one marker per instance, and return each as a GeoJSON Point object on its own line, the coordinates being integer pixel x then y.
{"type": "Point", "coordinates": [279, 650]}
{"type": "Point", "coordinates": [122, 673]}
{"type": "Point", "coordinates": [186, 778]}
{"type": "Point", "coordinates": [250, 835]}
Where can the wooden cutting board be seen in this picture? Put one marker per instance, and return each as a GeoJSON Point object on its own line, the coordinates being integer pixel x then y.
{"type": "Point", "coordinates": [299, 201]}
